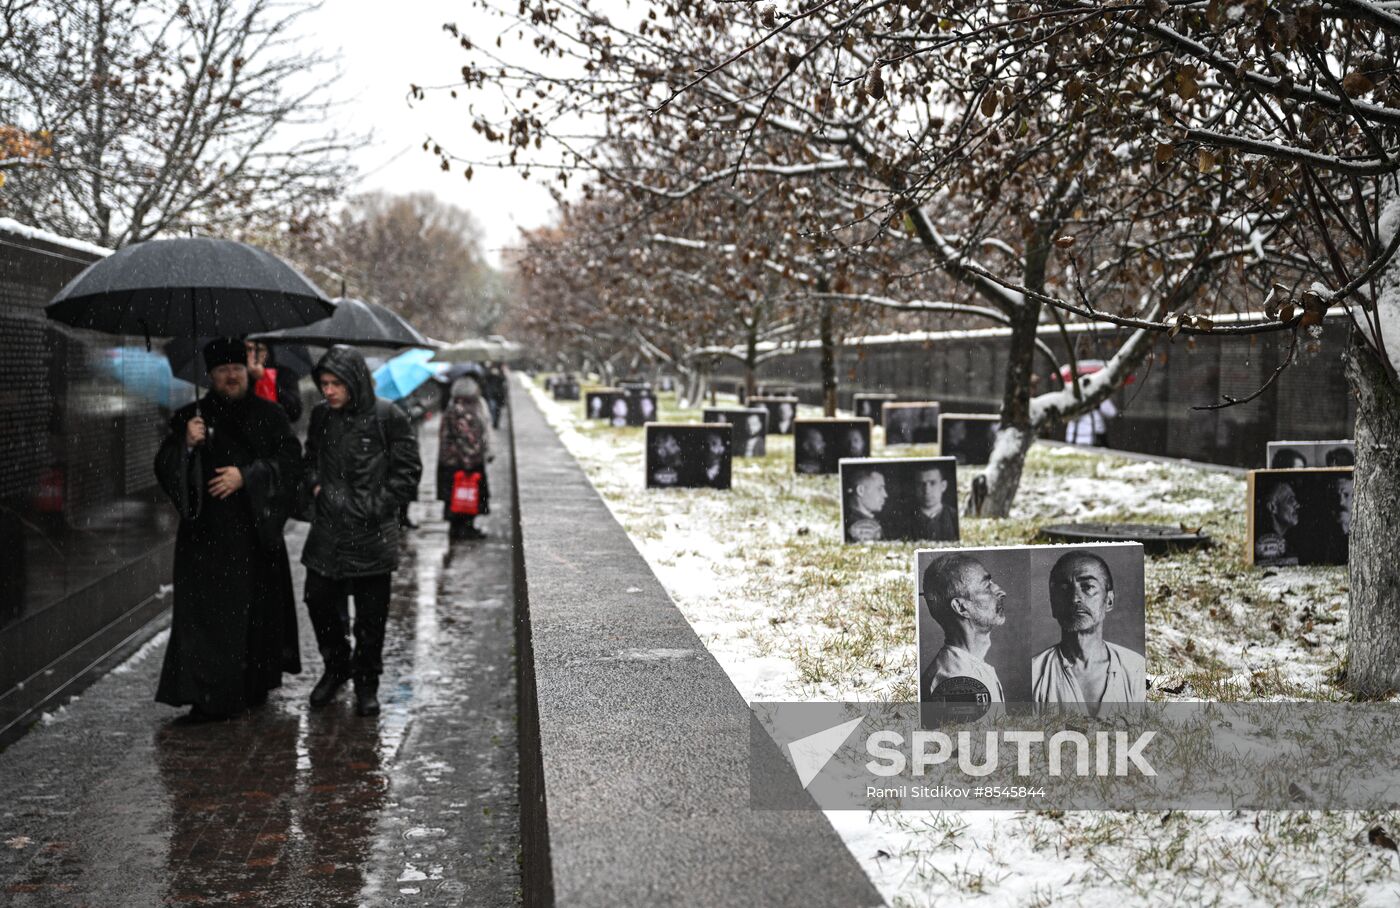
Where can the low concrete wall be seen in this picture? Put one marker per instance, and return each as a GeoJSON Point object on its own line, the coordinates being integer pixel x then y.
{"type": "Point", "coordinates": [635, 744]}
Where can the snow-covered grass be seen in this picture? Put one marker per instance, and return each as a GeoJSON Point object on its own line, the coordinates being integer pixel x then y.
{"type": "Point", "coordinates": [792, 613]}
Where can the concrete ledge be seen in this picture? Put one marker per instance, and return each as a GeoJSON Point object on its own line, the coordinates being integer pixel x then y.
{"type": "Point", "coordinates": [639, 789]}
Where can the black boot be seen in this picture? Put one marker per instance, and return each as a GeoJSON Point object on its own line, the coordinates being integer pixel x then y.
{"type": "Point", "coordinates": [324, 691]}
{"type": "Point", "coordinates": [367, 697]}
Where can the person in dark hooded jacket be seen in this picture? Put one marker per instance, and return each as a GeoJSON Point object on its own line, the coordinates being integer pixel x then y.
{"type": "Point", "coordinates": [230, 465]}
{"type": "Point", "coordinates": [361, 463]}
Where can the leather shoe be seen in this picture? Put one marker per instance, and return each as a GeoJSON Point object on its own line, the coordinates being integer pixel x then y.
{"type": "Point", "coordinates": [366, 699]}
{"type": "Point", "coordinates": [324, 691]}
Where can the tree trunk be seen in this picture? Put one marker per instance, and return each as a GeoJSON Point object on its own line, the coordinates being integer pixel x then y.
{"type": "Point", "coordinates": [751, 365]}
{"type": "Point", "coordinates": [1017, 433]}
{"type": "Point", "coordinates": [828, 336]}
{"type": "Point", "coordinates": [1373, 665]}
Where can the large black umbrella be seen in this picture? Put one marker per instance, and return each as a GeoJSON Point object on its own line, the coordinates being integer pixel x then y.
{"type": "Point", "coordinates": [358, 323]}
{"type": "Point", "coordinates": [189, 287]}
{"type": "Point", "coordinates": [187, 362]}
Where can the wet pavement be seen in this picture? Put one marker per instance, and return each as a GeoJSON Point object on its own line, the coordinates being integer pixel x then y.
{"type": "Point", "coordinates": [111, 801]}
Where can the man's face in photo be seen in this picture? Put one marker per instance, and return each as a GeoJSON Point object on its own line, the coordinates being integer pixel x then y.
{"type": "Point", "coordinates": [1080, 593]}
{"type": "Point", "coordinates": [229, 380]}
{"type": "Point", "coordinates": [871, 494]}
{"type": "Point", "coordinates": [1283, 507]}
{"type": "Point", "coordinates": [929, 486]}
{"type": "Point", "coordinates": [813, 444]}
{"type": "Point", "coordinates": [755, 424]}
{"type": "Point", "coordinates": [668, 450]}
{"type": "Point", "coordinates": [855, 442]}
{"type": "Point", "coordinates": [982, 600]}
{"type": "Point", "coordinates": [1343, 490]}
{"type": "Point", "coordinates": [714, 448]}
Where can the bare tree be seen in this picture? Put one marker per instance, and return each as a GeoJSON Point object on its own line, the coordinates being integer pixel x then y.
{"type": "Point", "coordinates": [168, 115]}
{"type": "Point", "coordinates": [416, 254]}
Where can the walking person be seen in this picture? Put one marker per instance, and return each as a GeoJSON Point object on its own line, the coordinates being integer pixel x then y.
{"type": "Point", "coordinates": [494, 388]}
{"type": "Point", "coordinates": [361, 463]}
{"type": "Point", "coordinates": [464, 445]}
{"type": "Point", "coordinates": [230, 465]}
{"type": "Point", "coordinates": [272, 383]}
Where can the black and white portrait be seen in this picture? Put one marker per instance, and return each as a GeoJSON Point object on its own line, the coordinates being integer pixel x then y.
{"type": "Point", "coordinates": [968, 437]}
{"type": "Point", "coordinates": [899, 499]}
{"type": "Point", "coordinates": [750, 428]}
{"type": "Point", "coordinates": [600, 403]}
{"type": "Point", "coordinates": [782, 411]}
{"type": "Point", "coordinates": [565, 388]}
{"type": "Point", "coordinates": [1032, 624]}
{"type": "Point", "coordinates": [868, 406]}
{"type": "Point", "coordinates": [1300, 516]}
{"type": "Point", "coordinates": [820, 444]}
{"type": "Point", "coordinates": [688, 456]}
{"type": "Point", "coordinates": [910, 423]}
{"type": "Point", "coordinates": [1295, 455]}
{"type": "Point", "coordinates": [641, 408]}
{"type": "Point", "coordinates": [1087, 627]}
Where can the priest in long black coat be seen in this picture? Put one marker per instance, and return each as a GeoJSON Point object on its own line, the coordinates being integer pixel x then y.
{"type": "Point", "coordinates": [231, 466]}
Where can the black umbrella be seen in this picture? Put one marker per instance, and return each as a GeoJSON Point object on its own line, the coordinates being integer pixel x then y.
{"type": "Point", "coordinates": [358, 323]}
{"type": "Point", "coordinates": [187, 362]}
{"type": "Point", "coordinates": [189, 287]}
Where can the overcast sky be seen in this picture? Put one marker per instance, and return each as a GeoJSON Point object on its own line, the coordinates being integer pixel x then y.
{"type": "Point", "coordinates": [383, 51]}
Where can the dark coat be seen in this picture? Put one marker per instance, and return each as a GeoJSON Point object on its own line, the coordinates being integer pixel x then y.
{"type": "Point", "coordinates": [365, 459]}
{"type": "Point", "coordinates": [234, 630]}
{"type": "Point", "coordinates": [464, 442]}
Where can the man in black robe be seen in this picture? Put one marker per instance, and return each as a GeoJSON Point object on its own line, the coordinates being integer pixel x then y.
{"type": "Point", "coordinates": [231, 466]}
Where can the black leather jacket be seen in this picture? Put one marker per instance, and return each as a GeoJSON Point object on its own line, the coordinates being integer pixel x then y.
{"type": "Point", "coordinates": [364, 457]}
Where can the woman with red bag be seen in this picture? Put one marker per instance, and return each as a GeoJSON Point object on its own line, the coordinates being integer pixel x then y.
{"type": "Point", "coordinates": [464, 448]}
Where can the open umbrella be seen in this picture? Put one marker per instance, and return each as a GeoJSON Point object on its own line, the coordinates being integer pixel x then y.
{"type": "Point", "coordinates": [479, 349]}
{"type": "Point", "coordinates": [187, 363]}
{"type": "Point", "coordinates": [189, 287]}
{"type": "Point", "coordinates": [402, 375]}
{"type": "Point", "coordinates": [358, 323]}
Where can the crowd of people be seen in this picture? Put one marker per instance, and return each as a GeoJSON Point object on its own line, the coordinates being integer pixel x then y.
{"type": "Point", "coordinates": [236, 472]}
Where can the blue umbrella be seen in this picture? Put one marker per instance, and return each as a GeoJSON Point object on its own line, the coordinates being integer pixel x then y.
{"type": "Point", "coordinates": [402, 375]}
{"type": "Point", "coordinates": [145, 375]}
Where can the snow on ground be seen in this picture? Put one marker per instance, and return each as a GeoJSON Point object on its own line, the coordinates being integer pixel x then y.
{"type": "Point", "coordinates": [793, 614]}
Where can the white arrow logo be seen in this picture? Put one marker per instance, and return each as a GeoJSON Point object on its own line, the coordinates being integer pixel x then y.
{"type": "Point", "coordinates": [811, 754]}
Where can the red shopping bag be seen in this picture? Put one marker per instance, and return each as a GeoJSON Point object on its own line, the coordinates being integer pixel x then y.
{"type": "Point", "coordinates": [466, 493]}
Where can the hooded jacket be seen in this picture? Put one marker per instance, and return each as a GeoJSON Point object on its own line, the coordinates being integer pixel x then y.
{"type": "Point", "coordinates": [364, 458]}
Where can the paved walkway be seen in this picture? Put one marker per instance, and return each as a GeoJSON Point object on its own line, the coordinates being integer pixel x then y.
{"type": "Point", "coordinates": [112, 803]}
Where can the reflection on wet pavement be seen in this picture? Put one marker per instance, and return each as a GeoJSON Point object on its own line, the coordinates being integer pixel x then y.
{"type": "Point", "coordinates": [114, 802]}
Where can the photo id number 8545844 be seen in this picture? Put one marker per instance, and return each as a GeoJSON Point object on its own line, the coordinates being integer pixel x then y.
{"type": "Point", "coordinates": [1007, 791]}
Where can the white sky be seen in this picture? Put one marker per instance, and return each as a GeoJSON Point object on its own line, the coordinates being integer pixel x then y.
{"type": "Point", "coordinates": [385, 47]}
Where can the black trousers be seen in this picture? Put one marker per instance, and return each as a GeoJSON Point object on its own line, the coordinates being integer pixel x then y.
{"type": "Point", "coordinates": [327, 603]}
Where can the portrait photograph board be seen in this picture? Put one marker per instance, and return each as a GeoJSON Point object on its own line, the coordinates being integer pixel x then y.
{"type": "Point", "coordinates": [899, 499]}
{"type": "Point", "coordinates": [689, 455]}
{"type": "Point", "coordinates": [750, 428]}
{"type": "Point", "coordinates": [910, 423]}
{"type": "Point", "coordinates": [598, 402]}
{"type": "Point", "coordinates": [820, 444]}
{"type": "Point", "coordinates": [1295, 455]}
{"type": "Point", "coordinates": [1299, 517]}
{"type": "Point", "coordinates": [782, 413]}
{"type": "Point", "coordinates": [565, 389]}
{"type": "Point", "coordinates": [639, 408]}
{"type": "Point", "coordinates": [968, 437]}
{"type": "Point", "coordinates": [869, 405]}
{"type": "Point", "coordinates": [1013, 624]}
